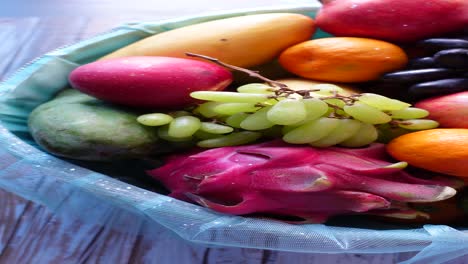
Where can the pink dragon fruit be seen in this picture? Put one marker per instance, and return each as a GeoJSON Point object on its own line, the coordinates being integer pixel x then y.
{"type": "Point", "coordinates": [275, 178]}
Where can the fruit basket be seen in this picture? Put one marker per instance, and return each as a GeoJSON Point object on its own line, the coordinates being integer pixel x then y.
{"type": "Point", "coordinates": [28, 171]}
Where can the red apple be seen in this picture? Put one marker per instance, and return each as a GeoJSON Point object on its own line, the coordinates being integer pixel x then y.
{"type": "Point", "coordinates": [451, 111]}
{"type": "Point", "coordinates": [392, 20]}
{"type": "Point", "coordinates": [149, 82]}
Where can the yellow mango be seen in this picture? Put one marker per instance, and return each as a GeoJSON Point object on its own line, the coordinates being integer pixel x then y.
{"type": "Point", "coordinates": [244, 41]}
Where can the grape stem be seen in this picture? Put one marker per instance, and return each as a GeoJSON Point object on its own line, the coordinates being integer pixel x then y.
{"type": "Point", "coordinates": [281, 89]}
{"type": "Point", "coordinates": [349, 100]}
{"type": "Point", "coordinates": [251, 73]}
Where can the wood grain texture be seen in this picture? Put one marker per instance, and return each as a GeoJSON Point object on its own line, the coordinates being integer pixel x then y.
{"type": "Point", "coordinates": [30, 233]}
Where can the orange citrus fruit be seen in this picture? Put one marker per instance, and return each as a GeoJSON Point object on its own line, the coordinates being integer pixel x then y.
{"type": "Point", "coordinates": [343, 59]}
{"type": "Point", "coordinates": [443, 150]}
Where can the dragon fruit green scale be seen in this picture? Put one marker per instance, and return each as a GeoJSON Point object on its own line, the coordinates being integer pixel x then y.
{"type": "Point", "coordinates": [276, 178]}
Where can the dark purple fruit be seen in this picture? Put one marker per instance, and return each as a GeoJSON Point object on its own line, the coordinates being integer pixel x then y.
{"type": "Point", "coordinates": [437, 44]}
{"type": "Point", "coordinates": [452, 58]}
{"type": "Point", "coordinates": [419, 75]}
{"type": "Point", "coordinates": [439, 87]}
{"type": "Point", "coordinates": [421, 63]}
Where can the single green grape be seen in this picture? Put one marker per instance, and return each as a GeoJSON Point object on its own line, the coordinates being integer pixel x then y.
{"type": "Point", "coordinates": [346, 129]}
{"type": "Point", "coordinates": [418, 124]}
{"type": "Point", "coordinates": [154, 119]}
{"type": "Point", "coordinates": [366, 134]}
{"type": "Point", "coordinates": [381, 102]}
{"type": "Point", "coordinates": [366, 113]}
{"type": "Point", "coordinates": [207, 109]}
{"type": "Point", "coordinates": [183, 126]}
{"type": "Point", "coordinates": [257, 120]}
{"type": "Point", "coordinates": [229, 97]}
{"type": "Point", "coordinates": [164, 135]}
{"type": "Point", "coordinates": [287, 112]}
{"type": "Point", "coordinates": [409, 113]}
{"type": "Point", "coordinates": [258, 88]}
{"type": "Point", "coordinates": [311, 131]}
{"type": "Point", "coordinates": [315, 108]}
{"type": "Point", "coordinates": [214, 128]}
{"type": "Point", "coordinates": [234, 108]}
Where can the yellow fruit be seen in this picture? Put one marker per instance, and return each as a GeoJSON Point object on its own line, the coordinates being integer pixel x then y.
{"type": "Point", "coordinates": [244, 41]}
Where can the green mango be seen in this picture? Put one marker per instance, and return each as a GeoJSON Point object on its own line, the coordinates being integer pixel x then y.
{"type": "Point", "coordinates": [77, 126]}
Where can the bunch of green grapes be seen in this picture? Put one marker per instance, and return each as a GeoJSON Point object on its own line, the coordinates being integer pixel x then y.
{"type": "Point", "coordinates": [323, 116]}
{"type": "Point", "coordinates": [183, 126]}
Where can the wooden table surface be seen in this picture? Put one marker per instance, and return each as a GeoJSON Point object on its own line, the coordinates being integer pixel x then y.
{"type": "Point", "coordinates": [31, 233]}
